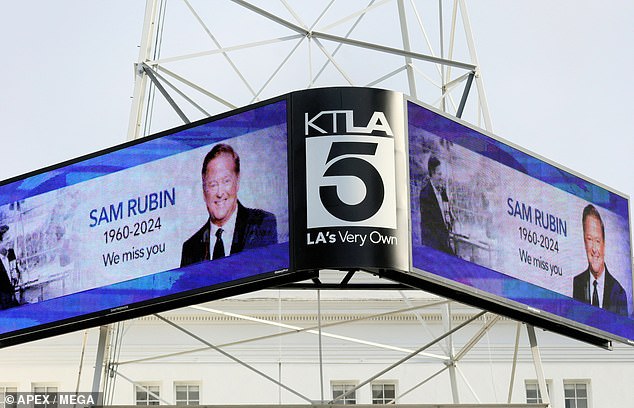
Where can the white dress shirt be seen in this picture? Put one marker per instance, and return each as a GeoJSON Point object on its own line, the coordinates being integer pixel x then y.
{"type": "Point", "coordinates": [227, 234]}
{"type": "Point", "coordinates": [600, 286]}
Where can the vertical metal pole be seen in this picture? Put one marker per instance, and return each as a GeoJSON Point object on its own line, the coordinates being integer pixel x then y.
{"type": "Point", "coordinates": [321, 361]}
{"type": "Point", "coordinates": [279, 344]}
{"type": "Point", "coordinates": [466, 23]}
{"type": "Point", "coordinates": [454, 383]}
{"type": "Point", "coordinates": [537, 360]}
{"type": "Point", "coordinates": [310, 62]}
{"type": "Point", "coordinates": [452, 362]}
{"type": "Point", "coordinates": [407, 47]}
{"type": "Point", "coordinates": [99, 361]}
{"type": "Point", "coordinates": [517, 344]}
{"type": "Point", "coordinates": [81, 361]}
{"type": "Point", "coordinates": [442, 55]}
{"type": "Point", "coordinates": [140, 82]}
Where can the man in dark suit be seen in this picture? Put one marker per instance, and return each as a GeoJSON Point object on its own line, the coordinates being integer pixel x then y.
{"type": "Point", "coordinates": [596, 285]}
{"type": "Point", "coordinates": [7, 281]}
{"type": "Point", "coordinates": [231, 227]}
{"type": "Point", "coordinates": [434, 229]}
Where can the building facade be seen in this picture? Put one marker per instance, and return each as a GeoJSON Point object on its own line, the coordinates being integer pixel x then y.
{"type": "Point", "coordinates": [295, 347]}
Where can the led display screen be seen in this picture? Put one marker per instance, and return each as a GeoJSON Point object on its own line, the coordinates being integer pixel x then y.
{"type": "Point", "coordinates": [202, 212]}
{"type": "Point", "coordinates": [505, 225]}
{"type": "Point", "coordinates": [141, 222]}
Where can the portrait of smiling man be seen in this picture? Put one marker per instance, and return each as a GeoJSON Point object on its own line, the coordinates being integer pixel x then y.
{"type": "Point", "coordinates": [596, 285]}
{"type": "Point", "coordinates": [231, 227]}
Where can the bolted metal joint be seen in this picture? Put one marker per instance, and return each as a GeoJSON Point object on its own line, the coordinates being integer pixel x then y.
{"type": "Point", "coordinates": [450, 362]}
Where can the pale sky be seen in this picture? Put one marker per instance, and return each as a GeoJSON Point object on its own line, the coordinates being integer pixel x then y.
{"type": "Point", "coordinates": [556, 76]}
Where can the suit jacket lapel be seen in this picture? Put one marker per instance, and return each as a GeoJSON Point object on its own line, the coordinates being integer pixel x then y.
{"type": "Point", "coordinates": [239, 232]}
{"type": "Point", "coordinates": [437, 210]}
{"type": "Point", "coordinates": [607, 288]}
{"type": "Point", "coordinates": [586, 286]}
{"type": "Point", "coordinates": [5, 281]}
{"type": "Point", "coordinates": [205, 242]}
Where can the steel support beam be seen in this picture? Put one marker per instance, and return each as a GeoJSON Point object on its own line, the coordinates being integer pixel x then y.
{"type": "Point", "coordinates": [408, 357]}
{"type": "Point", "coordinates": [484, 106]}
{"type": "Point", "coordinates": [144, 387]}
{"type": "Point", "coordinates": [233, 358]}
{"type": "Point", "coordinates": [465, 95]}
{"type": "Point", "coordinates": [285, 333]}
{"type": "Point", "coordinates": [99, 360]}
{"type": "Point", "coordinates": [148, 71]}
{"type": "Point", "coordinates": [315, 330]}
{"type": "Point", "coordinates": [514, 366]}
{"type": "Point", "coordinates": [321, 351]}
{"type": "Point", "coordinates": [451, 364]}
{"type": "Point", "coordinates": [537, 360]}
{"type": "Point", "coordinates": [146, 49]}
{"type": "Point", "coordinates": [394, 51]}
{"type": "Point", "coordinates": [406, 46]}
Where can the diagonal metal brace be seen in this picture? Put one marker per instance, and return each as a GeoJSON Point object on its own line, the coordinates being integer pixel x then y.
{"type": "Point", "coordinates": [407, 357]}
{"type": "Point", "coordinates": [347, 278]}
{"type": "Point", "coordinates": [465, 94]}
{"type": "Point", "coordinates": [235, 359]}
{"type": "Point", "coordinates": [148, 71]}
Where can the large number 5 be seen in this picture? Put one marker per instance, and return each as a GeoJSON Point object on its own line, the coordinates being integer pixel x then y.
{"type": "Point", "coordinates": [356, 167]}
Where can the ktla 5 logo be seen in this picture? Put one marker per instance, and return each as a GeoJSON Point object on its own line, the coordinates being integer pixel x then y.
{"type": "Point", "coordinates": [350, 181]}
{"type": "Point", "coordinates": [377, 123]}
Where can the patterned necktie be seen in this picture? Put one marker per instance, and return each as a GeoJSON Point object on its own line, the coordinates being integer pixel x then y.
{"type": "Point", "coordinates": [219, 247]}
{"type": "Point", "coordinates": [595, 295]}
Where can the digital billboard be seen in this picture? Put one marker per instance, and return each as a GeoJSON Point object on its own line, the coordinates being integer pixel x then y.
{"type": "Point", "coordinates": [331, 178]}
{"type": "Point", "coordinates": [165, 218]}
{"type": "Point", "coordinates": [509, 227]}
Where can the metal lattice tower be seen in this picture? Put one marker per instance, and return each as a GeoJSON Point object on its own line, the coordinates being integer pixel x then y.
{"type": "Point", "coordinates": [199, 58]}
{"type": "Point", "coordinates": [205, 58]}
